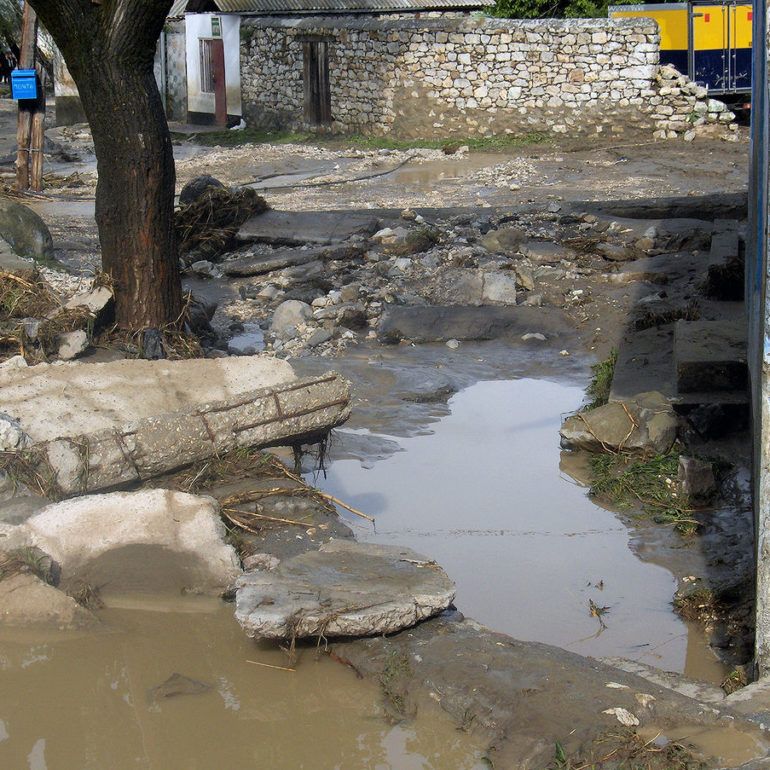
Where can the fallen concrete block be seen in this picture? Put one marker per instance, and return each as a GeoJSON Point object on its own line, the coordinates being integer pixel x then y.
{"type": "Point", "coordinates": [646, 423]}
{"type": "Point", "coordinates": [51, 401]}
{"type": "Point", "coordinates": [297, 411]}
{"type": "Point", "coordinates": [155, 527]}
{"type": "Point", "coordinates": [343, 589]}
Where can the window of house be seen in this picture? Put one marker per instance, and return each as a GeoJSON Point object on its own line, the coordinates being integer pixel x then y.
{"type": "Point", "coordinates": [206, 66]}
{"type": "Point", "coordinates": [318, 98]}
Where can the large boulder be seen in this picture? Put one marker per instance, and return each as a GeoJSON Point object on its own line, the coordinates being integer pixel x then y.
{"type": "Point", "coordinates": [133, 540]}
{"type": "Point", "coordinates": [646, 423]}
{"type": "Point", "coordinates": [343, 589]}
{"type": "Point", "coordinates": [24, 231]}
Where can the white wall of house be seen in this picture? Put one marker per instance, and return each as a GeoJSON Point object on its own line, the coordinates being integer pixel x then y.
{"type": "Point", "coordinates": [198, 27]}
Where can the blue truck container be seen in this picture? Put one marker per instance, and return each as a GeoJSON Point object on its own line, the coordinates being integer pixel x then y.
{"type": "Point", "coordinates": [24, 84]}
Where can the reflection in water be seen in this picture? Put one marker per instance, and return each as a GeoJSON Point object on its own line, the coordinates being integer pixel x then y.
{"type": "Point", "coordinates": [483, 495]}
{"type": "Point", "coordinates": [83, 702]}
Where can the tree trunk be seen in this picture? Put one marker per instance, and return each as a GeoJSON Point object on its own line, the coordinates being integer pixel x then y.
{"type": "Point", "coordinates": [109, 49]}
{"type": "Point", "coordinates": [134, 195]}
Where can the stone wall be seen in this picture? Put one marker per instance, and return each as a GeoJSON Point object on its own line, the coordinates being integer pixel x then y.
{"type": "Point", "coordinates": [438, 77]}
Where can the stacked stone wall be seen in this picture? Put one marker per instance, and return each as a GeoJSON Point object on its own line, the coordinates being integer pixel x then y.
{"type": "Point", "coordinates": [432, 78]}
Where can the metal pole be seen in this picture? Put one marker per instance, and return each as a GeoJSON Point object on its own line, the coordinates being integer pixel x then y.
{"type": "Point", "coordinates": [758, 325]}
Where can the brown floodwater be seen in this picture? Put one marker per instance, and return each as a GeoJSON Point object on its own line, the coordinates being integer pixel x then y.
{"type": "Point", "coordinates": [483, 493]}
{"type": "Point", "coordinates": [85, 701]}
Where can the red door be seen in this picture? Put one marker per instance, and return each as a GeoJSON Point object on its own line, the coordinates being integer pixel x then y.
{"type": "Point", "coordinates": [220, 84]}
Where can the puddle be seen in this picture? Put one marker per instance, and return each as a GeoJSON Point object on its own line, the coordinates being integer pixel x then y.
{"type": "Point", "coordinates": [483, 495]}
{"type": "Point", "coordinates": [83, 701]}
{"type": "Point", "coordinates": [250, 341]}
{"type": "Point", "coordinates": [723, 743]}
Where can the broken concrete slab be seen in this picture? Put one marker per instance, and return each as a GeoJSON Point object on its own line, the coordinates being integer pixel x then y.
{"type": "Point", "coordinates": [439, 323]}
{"type": "Point", "coordinates": [52, 401]}
{"type": "Point", "coordinates": [646, 422]}
{"type": "Point", "coordinates": [167, 523]}
{"type": "Point", "coordinates": [711, 355]}
{"type": "Point", "coordinates": [25, 600]}
{"type": "Point", "coordinates": [246, 266]}
{"type": "Point", "coordinates": [343, 589]}
{"type": "Point", "coordinates": [300, 410]}
{"type": "Point", "coordinates": [294, 228]}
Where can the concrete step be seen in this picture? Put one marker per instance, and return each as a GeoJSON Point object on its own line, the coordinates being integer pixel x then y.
{"type": "Point", "coordinates": [710, 356]}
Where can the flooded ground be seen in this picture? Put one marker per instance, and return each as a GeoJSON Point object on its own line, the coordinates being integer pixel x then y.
{"type": "Point", "coordinates": [91, 701]}
{"type": "Point", "coordinates": [484, 495]}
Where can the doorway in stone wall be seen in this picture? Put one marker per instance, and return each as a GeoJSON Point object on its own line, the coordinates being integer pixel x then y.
{"type": "Point", "coordinates": [318, 97]}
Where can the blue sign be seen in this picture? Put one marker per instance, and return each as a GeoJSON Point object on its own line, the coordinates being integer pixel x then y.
{"type": "Point", "coordinates": [24, 84]}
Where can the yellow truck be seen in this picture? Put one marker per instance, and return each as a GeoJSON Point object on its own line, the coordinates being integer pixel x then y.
{"type": "Point", "coordinates": [708, 41]}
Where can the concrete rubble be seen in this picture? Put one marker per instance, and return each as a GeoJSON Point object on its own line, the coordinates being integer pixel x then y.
{"type": "Point", "coordinates": [342, 589]}
{"type": "Point", "coordinates": [125, 422]}
{"type": "Point", "coordinates": [172, 524]}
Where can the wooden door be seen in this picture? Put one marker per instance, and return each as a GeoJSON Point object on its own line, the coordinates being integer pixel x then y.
{"type": "Point", "coordinates": [220, 82]}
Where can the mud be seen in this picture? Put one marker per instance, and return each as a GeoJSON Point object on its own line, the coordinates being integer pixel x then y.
{"type": "Point", "coordinates": [89, 701]}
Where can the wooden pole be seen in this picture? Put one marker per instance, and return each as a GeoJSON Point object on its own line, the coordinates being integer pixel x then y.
{"type": "Point", "coordinates": [37, 138]}
{"type": "Point", "coordinates": [24, 128]}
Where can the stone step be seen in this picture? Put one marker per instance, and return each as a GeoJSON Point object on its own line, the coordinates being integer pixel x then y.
{"type": "Point", "coordinates": [710, 356]}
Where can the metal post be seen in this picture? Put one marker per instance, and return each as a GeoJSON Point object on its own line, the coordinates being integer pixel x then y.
{"type": "Point", "coordinates": [759, 326]}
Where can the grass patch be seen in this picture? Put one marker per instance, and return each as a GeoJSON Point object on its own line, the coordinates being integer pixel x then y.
{"type": "Point", "coordinates": [28, 560]}
{"type": "Point", "coordinates": [601, 383]}
{"type": "Point", "coordinates": [649, 482]}
{"type": "Point", "coordinates": [394, 683]}
{"type": "Point", "coordinates": [359, 141]}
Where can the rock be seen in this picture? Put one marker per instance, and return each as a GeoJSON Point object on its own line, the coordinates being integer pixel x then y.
{"type": "Point", "coordinates": [294, 228]}
{"type": "Point", "coordinates": [24, 231]}
{"type": "Point", "coordinates": [436, 323]}
{"type": "Point", "coordinates": [525, 276]}
{"type": "Point", "coordinates": [288, 316]}
{"type": "Point", "coordinates": [403, 242]}
{"type": "Point", "coordinates": [423, 386]}
{"type": "Point", "coordinates": [98, 301]}
{"type": "Point", "coordinates": [178, 684]}
{"type": "Point", "coordinates": [696, 478]}
{"type": "Point", "coordinates": [343, 589]}
{"type": "Point", "coordinates": [10, 262]}
{"type": "Point", "coordinates": [205, 269]}
{"type": "Point", "coordinates": [534, 336]}
{"type": "Point", "coordinates": [266, 263]}
{"type": "Point", "coordinates": [453, 344]}
{"type": "Point", "coordinates": [15, 362]}
{"type": "Point", "coordinates": [72, 344]}
{"type": "Point", "coordinates": [138, 541]}
{"type": "Point", "coordinates": [263, 561]}
{"type": "Point", "coordinates": [25, 600]}
{"type": "Point", "coordinates": [318, 337]}
{"type": "Point", "coordinates": [615, 253]}
{"type": "Point", "coordinates": [545, 252]}
{"type": "Point", "coordinates": [646, 423]}
{"type": "Point", "coordinates": [193, 190]}
{"type": "Point", "coordinates": [506, 240]}
{"type": "Point", "coordinates": [12, 435]}
{"type": "Point", "coordinates": [499, 288]}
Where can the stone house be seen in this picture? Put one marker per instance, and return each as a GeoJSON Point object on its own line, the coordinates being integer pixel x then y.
{"type": "Point", "coordinates": [424, 69]}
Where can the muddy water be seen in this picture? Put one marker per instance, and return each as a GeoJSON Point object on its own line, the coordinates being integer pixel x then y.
{"type": "Point", "coordinates": [483, 494]}
{"type": "Point", "coordinates": [86, 702]}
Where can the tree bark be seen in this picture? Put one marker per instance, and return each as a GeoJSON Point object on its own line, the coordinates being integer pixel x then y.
{"type": "Point", "coordinates": [109, 49]}
{"type": "Point", "coordinates": [25, 107]}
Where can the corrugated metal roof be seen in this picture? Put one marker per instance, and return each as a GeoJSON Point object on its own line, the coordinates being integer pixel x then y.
{"type": "Point", "coordinates": [177, 9]}
{"type": "Point", "coordinates": [335, 6]}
